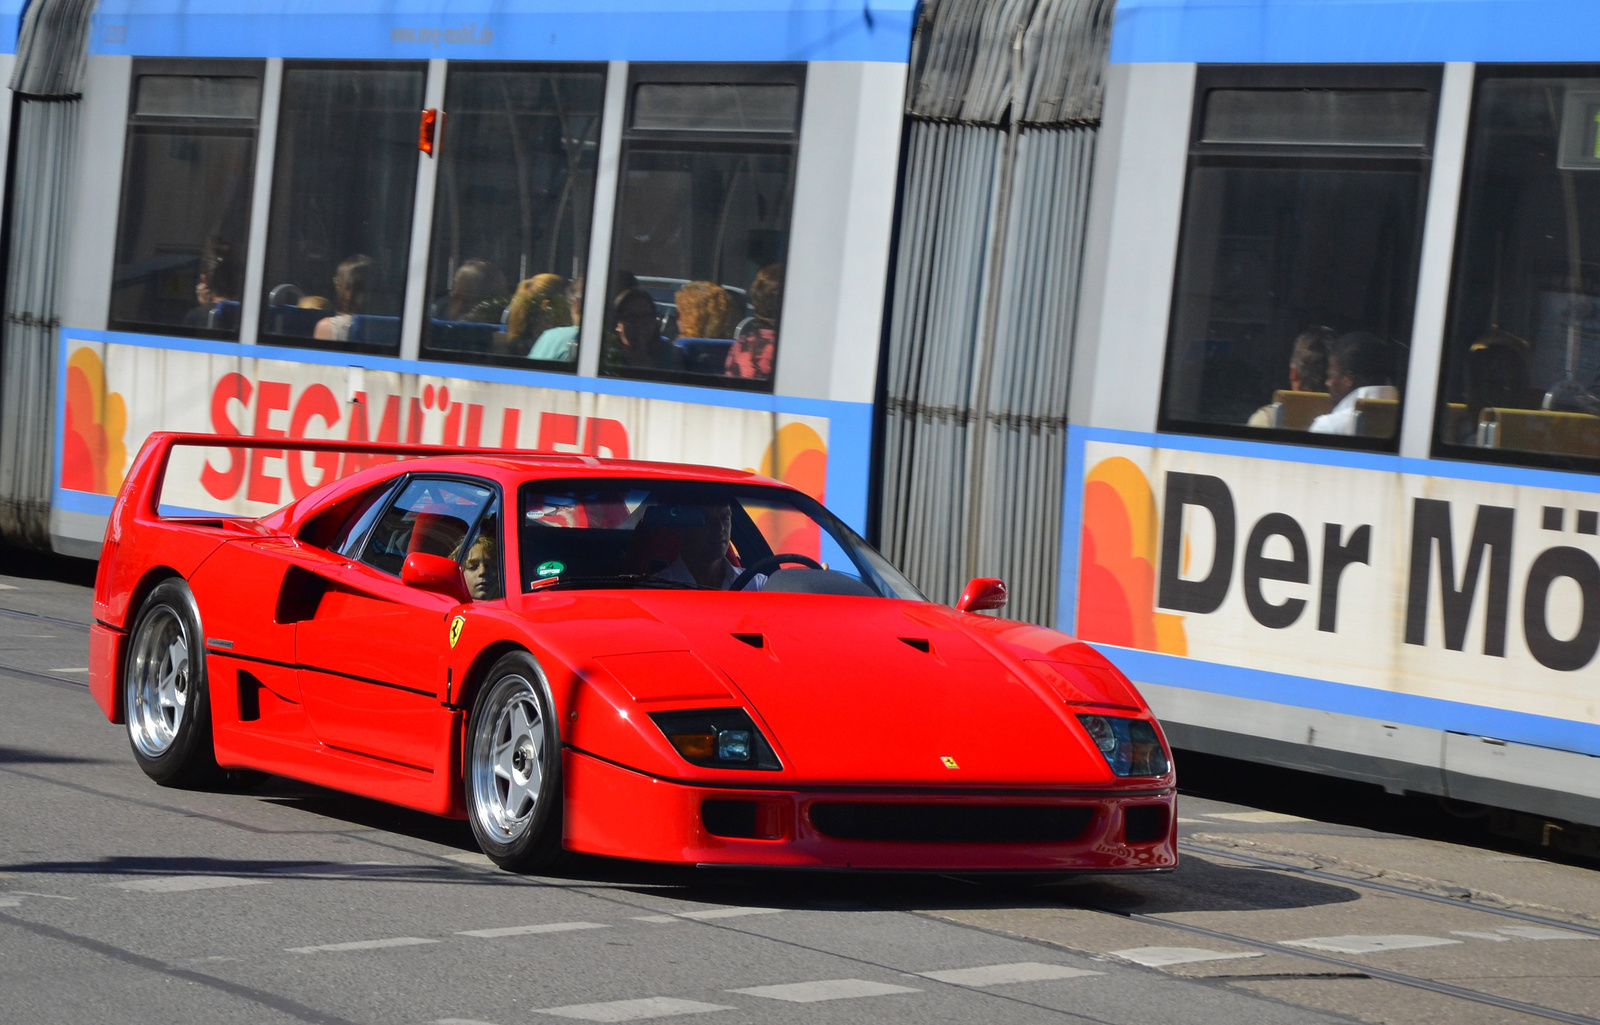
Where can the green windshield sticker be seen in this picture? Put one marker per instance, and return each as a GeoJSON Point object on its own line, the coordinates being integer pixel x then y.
{"type": "Point", "coordinates": [550, 569]}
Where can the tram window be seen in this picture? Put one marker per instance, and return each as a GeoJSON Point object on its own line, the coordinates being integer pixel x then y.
{"type": "Point", "coordinates": [342, 195]}
{"type": "Point", "coordinates": [702, 224]}
{"type": "Point", "coordinates": [515, 197]}
{"type": "Point", "coordinates": [184, 220]}
{"type": "Point", "coordinates": [1297, 265]}
{"type": "Point", "coordinates": [1521, 374]}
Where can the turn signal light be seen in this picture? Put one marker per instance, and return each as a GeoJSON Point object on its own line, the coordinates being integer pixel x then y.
{"type": "Point", "coordinates": [695, 746]}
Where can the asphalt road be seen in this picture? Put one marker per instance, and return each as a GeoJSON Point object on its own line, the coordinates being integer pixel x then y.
{"type": "Point", "coordinates": [121, 901]}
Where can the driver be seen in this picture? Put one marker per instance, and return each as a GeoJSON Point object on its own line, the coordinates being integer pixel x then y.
{"type": "Point", "coordinates": [703, 553]}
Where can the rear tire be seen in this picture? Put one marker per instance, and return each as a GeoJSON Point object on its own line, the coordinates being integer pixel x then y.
{"type": "Point", "coordinates": [165, 697]}
{"type": "Point", "coordinates": [513, 768]}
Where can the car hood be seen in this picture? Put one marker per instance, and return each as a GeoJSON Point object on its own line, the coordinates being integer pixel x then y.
{"type": "Point", "coordinates": [870, 691]}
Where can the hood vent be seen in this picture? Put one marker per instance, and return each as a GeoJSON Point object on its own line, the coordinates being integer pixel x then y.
{"type": "Point", "coordinates": [920, 643]}
{"type": "Point", "coordinates": [754, 640]}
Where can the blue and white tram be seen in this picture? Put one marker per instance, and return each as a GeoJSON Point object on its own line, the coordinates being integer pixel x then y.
{"type": "Point", "coordinates": [658, 231]}
{"type": "Point", "coordinates": [1332, 496]}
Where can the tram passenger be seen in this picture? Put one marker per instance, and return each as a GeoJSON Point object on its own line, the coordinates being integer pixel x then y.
{"type": "Point", "coordinates": [705, 310]}
{"type": "Point", "coordinates": [216, 289]}
{"type": "Point", "coordinates": [560, 342]}
{"type": "Point", "coordinates": [1359, 367]}
{"type": "Point", "coordinates": [755, 341]}
{"type": "Point", "coordinates": [1308, 368]}
{"type": "Point", "coordinates": [638, 343]}
{"type": "Point", "coordinates": [539, 304]}
{"type": "Point", "coordinates": [352, 290]}
{"type": "Point", "coordinates": [1496, 377]}
{"type": "Point", "coordinates": [477, 294]}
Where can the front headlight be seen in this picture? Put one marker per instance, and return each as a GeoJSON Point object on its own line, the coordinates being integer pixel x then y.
{"type": "Point", "coordinates": [720, 738]}
{"type": "Point", "coordinates": [1130, 746]}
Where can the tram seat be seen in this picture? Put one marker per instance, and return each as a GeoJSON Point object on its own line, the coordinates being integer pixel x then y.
{"type": "Point", "coordinates": [294, 321]}
{"type": "Point", "coordinates": [464, 335]}
{"type": "Point", "coordinates": [1294, 410]}
{"type": "Point", "coordinates": [704, 355]}
{"type": "Point", "coordinates": [1540, 430]}
{"type": "Point", "coordinates": [1377, 418]}
{"type": "Point", "coordinates": [373, 330]}
{"type": "Point", "coordinates": [1454, 411]}
{"type": "Point", "coordinates": [224, 315]}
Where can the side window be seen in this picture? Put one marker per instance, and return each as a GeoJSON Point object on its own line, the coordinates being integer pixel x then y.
{"type": "Point", "coordinates": [1297, 266]}
{"type": "Point", "coordinates": [1521, 374]}
{"type": "Point", "coordinates": [704, 203]}
{"type": "Point", "coordinates": [431, 515]}
{"type": "Point", "coordinates": [186, 183]}
{"type": "Point", "coordinates": [343, 188]}
{"type": "Point", "coordinates": [482, 557]}
{"type": "Point", "coordinates": [511, 221]}
{"type": "Point", "coordinates": [348, 540]}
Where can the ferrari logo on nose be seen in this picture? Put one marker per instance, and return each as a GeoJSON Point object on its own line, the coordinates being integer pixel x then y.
{"type": "Point", "coordinates": [949, 763]}
{"type": "Point", "coordinates": [456, 625]}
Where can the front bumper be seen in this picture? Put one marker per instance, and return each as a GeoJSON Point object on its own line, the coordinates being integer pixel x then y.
{"type": "Point", "coordinates": [615, 811]}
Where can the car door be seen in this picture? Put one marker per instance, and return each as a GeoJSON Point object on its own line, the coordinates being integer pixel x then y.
{"type": "Point", "coordinates": [369, 656]}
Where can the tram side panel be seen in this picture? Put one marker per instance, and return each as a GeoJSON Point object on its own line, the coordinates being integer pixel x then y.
{"type": "Point", "coordinates": [1425, 625]}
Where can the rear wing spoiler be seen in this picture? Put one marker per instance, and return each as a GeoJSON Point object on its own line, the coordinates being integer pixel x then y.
{"type": "Point", "coordinates": [140, 496]}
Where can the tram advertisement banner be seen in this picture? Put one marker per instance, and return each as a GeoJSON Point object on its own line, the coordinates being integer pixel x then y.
{"type": "Point", "coordinates": [116, 394]}
{"type": "Point", "coordinates": [1481, 589]}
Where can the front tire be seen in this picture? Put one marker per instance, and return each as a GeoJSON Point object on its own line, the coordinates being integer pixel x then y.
{"type": "Point", "coordinates": [165, 695]}
{"type": "Point", "coordinates": [513, 768]}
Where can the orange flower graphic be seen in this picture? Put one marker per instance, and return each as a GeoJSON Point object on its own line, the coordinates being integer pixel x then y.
{"type": "Point", "coordinates": [1116, 581]}
{"type": "Point", "coordinates": [797, 456]}
{"type": "Point", "coordinates": [93, 454]}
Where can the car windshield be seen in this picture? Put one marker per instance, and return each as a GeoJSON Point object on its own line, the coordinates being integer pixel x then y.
{"type": "Point", "coordinates": [694, 535]}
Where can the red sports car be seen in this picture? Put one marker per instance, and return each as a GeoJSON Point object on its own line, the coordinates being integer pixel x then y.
{"type": "Point", "coordinates": [672, 663]}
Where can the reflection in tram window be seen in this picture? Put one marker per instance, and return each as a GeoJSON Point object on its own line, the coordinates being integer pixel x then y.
{"type": "Point", "coordinates": [1522, 360]}
{"type": "Point", "coordinates": [512, 213]}
{"type": "Point", "coordinates": [1301, 237]}
{"type": "Point", "coordinates": [185, 215]}
{"type": "Point", "coordinates": [702, 226]}
{"type": "Point", "coordinates": [342, 194]}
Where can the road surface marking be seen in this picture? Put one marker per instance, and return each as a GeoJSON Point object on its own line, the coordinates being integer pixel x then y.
{"type": "Point", "coordinates": [824, 989]}
{"type": "Point", "coordinates": [1161, 957]}
{"type": "Point", "coordinates": [1260, 817]}
{"type": "Point", "coordinates": [1367, 944]}
{"type": "Point", "coordinates": [1537, 932]}
{"type": "Point", "coordinates": [71, 669]}
{"type": "Point", "coordinates": [397, 941]}
{"type": "Point", "coordinates": [1493, 937]}
{"type": "Point", "coordinates": [178, 884]}
{"type": "Point", "coordinates": [633, 1010]}
{"type": "Point", "coordinates": [709, 913]}
{"type": "Point", "coordinates": [530, 930]}
{"type": "Point", "coordinates": [1001, 974]}
{"type": "Point", "coordinates": [460, 1021]}
{"type": "Point", "coordinates": [8, 587]}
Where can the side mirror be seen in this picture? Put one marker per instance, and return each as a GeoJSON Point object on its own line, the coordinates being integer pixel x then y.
{"type": "Point", "coordinates": [437, 574]}
{"type": "Point", "coordinates": [981, 594]}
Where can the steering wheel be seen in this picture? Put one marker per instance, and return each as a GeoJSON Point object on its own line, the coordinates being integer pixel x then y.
{"type": "Point", "coordinates": [769, 564]}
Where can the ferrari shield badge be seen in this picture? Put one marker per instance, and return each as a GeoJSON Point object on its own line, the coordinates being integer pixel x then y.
{"type": "Point", "coordinates": [456, 626]}
{"type": "Point", "coordinates": [949, 763]}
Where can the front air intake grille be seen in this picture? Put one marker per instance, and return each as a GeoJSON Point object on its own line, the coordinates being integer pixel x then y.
{"type": "Point", "coordinates": [951, 823]}
{"type": "Point", "coordinates": [1145, 823]}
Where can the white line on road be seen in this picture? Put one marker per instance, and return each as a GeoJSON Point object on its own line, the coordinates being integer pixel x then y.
{"type": "Point", "coordinates": [1492, 937]}
{"type": "Point", "coordinates": [1367, 944]}
{"type": "Point", "coordinates": [1261, 817]}
{"type": "Point", "coordinates": [71, 669]}
{"type": "Point", "coordinates": [471, 858]}
{"type": "Point", "coordinates": [1161, 957]}
{"type": "Point", "coordinates": [824, 989]}
{"type": "Point", "coordinates": [1001, 974]}
{"type": "Point", "coordinates": [397, 941]}
{"type": "Point", "coordinates": [178, 884]}
{"type": "Point", "coordinates": [460, 1021]}
{"type": "Point", "coordinates": [530, 930]}
{"type": "Point", "coordinates": [1536, 932]}
{"type": "Point", "coordinates": [8, 587]}
{"type": "Point", "coordinates": [633, 1010]}
{"type": "Point", "coordinates": [709, 913]}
